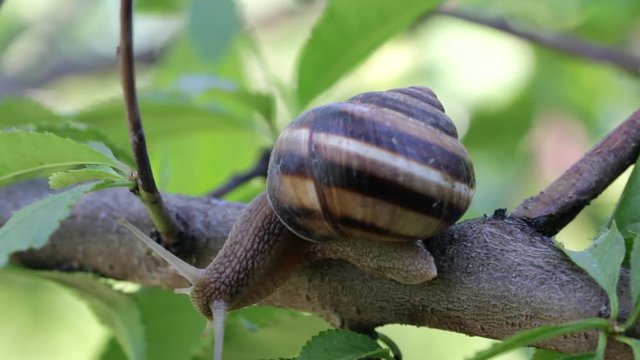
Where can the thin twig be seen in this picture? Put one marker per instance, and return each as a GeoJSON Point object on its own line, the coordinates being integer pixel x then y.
{"type": "Point", "coordinates": [258, 170]}
{"type": "Point", "coordinates": [563, 43]}
{"type": "Point", "coordinates": [147, 190]}
{"type": "Point", "coordinates": [562, 200]}
{"type": "Point", "coordinates": [15, 85]}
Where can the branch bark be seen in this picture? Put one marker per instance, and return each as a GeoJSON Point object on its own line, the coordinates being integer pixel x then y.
{"type": "Point", "coordinates": [554, 207]}
{"type": "Point", "coordinates": [496, 275]}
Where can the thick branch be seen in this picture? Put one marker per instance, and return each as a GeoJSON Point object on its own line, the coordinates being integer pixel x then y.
{"type": "Point", "coordinates": [147, 191]}
{"type": "Point", "coordinates": [562, 200]}
{"type": "Point", "coordinates": [563, 43]}
{"type": "Point", "coordinates": [496, 276]}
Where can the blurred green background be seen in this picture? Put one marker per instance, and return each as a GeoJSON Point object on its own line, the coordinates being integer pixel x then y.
{"type": "Point", "coordinates": [216, 82]}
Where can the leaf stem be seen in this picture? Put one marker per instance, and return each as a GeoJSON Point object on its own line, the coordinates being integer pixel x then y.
{"type": "Point", "coordinates": [147, 190]}
{"type": "Point", "coordinates": [633, 318]}
{"type": "Point", "coordinates": [389, 343]}
{"type": "Point", "coordinates": [535, 335]}
{"type": "Point", "coordinates": [602, 346]}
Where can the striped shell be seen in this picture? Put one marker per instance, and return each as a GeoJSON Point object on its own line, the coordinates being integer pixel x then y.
{"type": "Point", "coordinates": [384, 166]}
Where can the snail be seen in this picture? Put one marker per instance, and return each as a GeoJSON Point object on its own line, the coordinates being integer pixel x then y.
{"type": "Point", "coordinates": [384, 166]}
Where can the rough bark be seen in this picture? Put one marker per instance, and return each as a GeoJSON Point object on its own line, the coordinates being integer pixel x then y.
{"type": "Point", "coordinates": [560, 202]}
{"type": "Point", "coordinates": [496, 276]}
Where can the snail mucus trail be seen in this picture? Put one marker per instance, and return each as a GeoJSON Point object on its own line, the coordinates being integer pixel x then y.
{"type": "Point", "coordinates": [384, 166]}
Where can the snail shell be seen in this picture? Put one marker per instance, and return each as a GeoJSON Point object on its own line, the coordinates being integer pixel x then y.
{"type": "Point", "coordinates": [383, 166]}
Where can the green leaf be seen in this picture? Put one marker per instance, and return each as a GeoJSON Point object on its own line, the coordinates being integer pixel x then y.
{"type": "Point", "coordinates": [389, 343]}
{"type": "Point", "coordinates": [182, 160]}
{"type": "Point", "coordinates": [162, 313]}
{"type": "Point", "coordinates": [602, 261]}
{"type": "Point", "coordinates": [263, 104]}
{"type": "Point", "coordinates": [540, 354]}
{"type": "Point", "coordinates": [183, 55]}
{"type": "Point", "coordinates": [159, 6]}
{"type": "Point", "coordinates": [267, 331]}
{"type": "Point", "coordinates": [585, 356]}
{"type": "Point", "coordinates": [86, 134]}
{"type": "Point", "coordinates": [233, 98]}
{"type": "Point", "coordinates": [63, 179]}
{"type": "Point", "coordinates": [28, 153]}
{"type": "Point", "coordinates": [112, 351]}
{"type": "Point", "coordinates": [635, 271]}
{"type": "Point", "coordinates": [212, 26]}
{"type": "Point", "coordinates": [627, 212]}
{"type": "Point", "coordinates": [165, 116]}
{"type": "Point", "coordinates": [634, 260]}
{"type": "Point", "coordinates": [31, 226]}
{"type": "Point", "coordinates": [43, 320]}
{"type": "Point", "coordinates": [117, 311]}
{"type": "Point", "coordinates": [634, 344]}
{"type": "Point", "coordinates": [28, 115]}
{"type": "Point", "coordinates": [342, 345]}
{"type": "Point", "coordinates": [23, 111]}
{"type": "Point", "coordinates": [532, 336]}
{"type": "Point", "coordinates": [346, 34]}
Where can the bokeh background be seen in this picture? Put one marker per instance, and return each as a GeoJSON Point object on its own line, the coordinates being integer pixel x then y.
{"type": "Point", "coordinates": [525, 113]}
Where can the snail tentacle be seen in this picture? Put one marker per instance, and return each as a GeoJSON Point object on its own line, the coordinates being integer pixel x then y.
{"type": "Point", "coordinates": [188, 271]}
{"type": "Point", "coordinates": [219, 311]}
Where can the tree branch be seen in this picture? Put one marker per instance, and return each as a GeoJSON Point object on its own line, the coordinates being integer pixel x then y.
{"type": "Point", "coordinates": [259, 169]}
{"type": "Point", "coordinates": [558, 204]}
{"type": "Point", "coordinates": [147, 190]}
{"type": "Point", "coordinates": [569, 45]}
{"type": "Point", "coordinates": [17, 86]}
{"type": "Point", "coordinates": [496, 276]}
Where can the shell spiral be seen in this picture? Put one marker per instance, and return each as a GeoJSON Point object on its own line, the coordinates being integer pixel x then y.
{"type": "Point", "coordinates": [383, 166]}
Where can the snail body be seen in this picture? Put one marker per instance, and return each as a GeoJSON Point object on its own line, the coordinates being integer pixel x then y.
{"type": "Point", "coordinates": [383, 166]}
